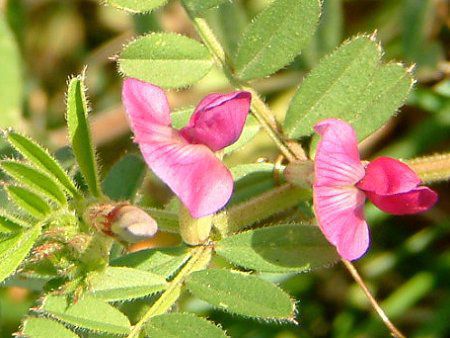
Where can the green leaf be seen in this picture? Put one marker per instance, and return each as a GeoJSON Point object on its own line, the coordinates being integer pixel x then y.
{"type": "Point", "coordinates": [198, 6]}
{"type": "Point", "coordinates": [30, 202]}
{"type": "Point", "coordinates": [182, 325]}
{"type": "Point", "coordinates": [125, 178]}
{"type": "Point", "coordinates": [281, 248]}
{"type": "Point", "coordinates": [119, 283]}
{"type": "Point", "coordinates": [40, 158]}
{"type": "Point", "coordinates": [229, 22]}
{"type": "Point", "coordinates": [330, 30]}
{"type": "Point", "coordinates": [11, 78]}
{"type": "Point", "coordinates": [44, 328]}
{"type": "Point", "coordinates": [9, 223]}
{"type": "Point", "coordinates": [88, 313]}
{"type": "Point", "coordinates": [80, 134]}
{"type": "Point", "coordinates": [35, 179]}
{"type": "Point", "coordinates": [349, 84]}
{"type": "Point", "coordinates": [165, 59]}
{"type": "Point", "coordinates": [276, 36]}
{"type": "Point", "coordinates": [164, 262]}
{"type": "Point", "coordinates": [241, 294]}
{"type": "Point", "coordinates": [167, 220]}
{"type": "Point", "coordinates": [14, 249]}
{"type": "Point", "coordinates": [136, 6]}
{"type": "Point", "coordinates": [251, 180]}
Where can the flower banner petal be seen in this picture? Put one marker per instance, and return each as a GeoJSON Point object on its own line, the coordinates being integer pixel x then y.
{"type": "Point", "coordinates": [340, 214]}
{"type": "Point", "coordinates": [417, 200]}
{"type": "Point", "coordinates": [337, 160]}
{"type": "Point", "coordinates": [388, 176]}
{"type": "Point", "coordinates": [218, 120]}
{"type": "Point", "coordinates": [192, 171]}
{"type": "Point", "coordinates": [146, 106]}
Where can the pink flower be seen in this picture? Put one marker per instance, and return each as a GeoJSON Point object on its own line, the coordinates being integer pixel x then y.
{"type": "Point", "coordinates": [184, 159]}
{"type": "Point", "coordinates": [342, 184]}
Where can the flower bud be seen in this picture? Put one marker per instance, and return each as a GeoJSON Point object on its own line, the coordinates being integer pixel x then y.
{"type": "Point", "coordinates": [125, 222]}
{"type": "Point", "coordinates": [300, 173]}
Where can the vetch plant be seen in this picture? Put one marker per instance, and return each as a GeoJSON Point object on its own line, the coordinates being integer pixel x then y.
{"type": "Point", "coordinates": [72, 229]}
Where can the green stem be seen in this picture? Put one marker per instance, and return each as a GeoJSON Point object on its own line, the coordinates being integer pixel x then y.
{"type": "Point", "coordinates": [199, 260]}
{"type": "Point", "coordinates": [262, 113]}
{"type": "Point", "coordinates": [259, 208]}
{"type": "Point", "coordinates": [432, 168]}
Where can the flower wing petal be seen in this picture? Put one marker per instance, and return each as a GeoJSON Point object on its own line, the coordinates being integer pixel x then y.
{"type": "Point", "coordinates": [414, 201]}
{"type": "Point", "coordinates": [218, 120]}
{"type": "Point", "coordinates": [193, 172]}
{"type": "Point", "coordinates": [388, 176]}
{"type": "Point", "coordinates": [337, 161]}
{"type": "Point", "coordinates": [340, 214]}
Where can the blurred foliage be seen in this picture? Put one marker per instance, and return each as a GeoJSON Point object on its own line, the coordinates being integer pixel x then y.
{"type": "Point", "coordinates": [408, 266]}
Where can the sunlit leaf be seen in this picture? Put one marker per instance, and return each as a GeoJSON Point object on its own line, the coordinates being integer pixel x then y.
{"type": "Point", "coordinates": [182, 325]}
{"type": "Point", "coordinates": [241, 294]}
{"type": "Point", "coordinates": [281, 248]}
{"type": "Point", "coordinates": [14, 249]}
{"type": "Point", "coordinates": [121, 283]}
{"type": "Point", "coordinates": [136, 6]}
{"type": "Point", "coordinates": [35, 179]}
{"type": "Point", "coordinates": [45, 328]}
{"type": "Point", "coordinates": [88, 313]}
{"type": "Point", "coordinates": [40, 158]}
{"type": "Point", "coordinates": [80, 134]}
{"type": "Point", "coordinates": [199, 6]}
{"type": "Point", "coordinates": [275, 37]}
{"type": "Point", "coordinates": [165, 59]}
{"type": "Point", "coordinates": [9, 223]}
{"type": "Point", "coordinates": [27, 200]}
{"type": "Point", "coordinates": [164, 261]}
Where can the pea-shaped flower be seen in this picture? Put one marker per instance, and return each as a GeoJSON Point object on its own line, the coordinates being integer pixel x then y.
{"type": "Point", "coordinates": [184, 159]}
{"type": "Point", "coordinates": [342, 183]}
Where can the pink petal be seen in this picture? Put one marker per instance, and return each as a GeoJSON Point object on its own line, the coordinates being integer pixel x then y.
{"type": "Point", "coordinates": [193, 172]}
{"type": "Point", "coordinates": [146, 106]}
{"type": "Point", "coordinates": [337, 160]}
{"type": "Point", "coordinates": [417, 200]}
{"type": "Point", "coordinates": [340, 214]}
{"type": "Point", "coordinates": [195, 175]}
{"type": "Point", "coordinates": [387, 176]}
{"type": "Point", "coordinates": [218, 120]}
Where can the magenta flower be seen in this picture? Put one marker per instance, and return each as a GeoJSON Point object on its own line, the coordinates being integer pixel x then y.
{"type": "Point", "coordinates": [184, 159]}
{"type": "Point", "coordinates": [342, 184]}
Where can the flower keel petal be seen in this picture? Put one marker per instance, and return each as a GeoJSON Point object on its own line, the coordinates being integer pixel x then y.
{"type": "Point", "coordinates": [218, 120]}
{"type": "Point", "coordinates": [415, 201]}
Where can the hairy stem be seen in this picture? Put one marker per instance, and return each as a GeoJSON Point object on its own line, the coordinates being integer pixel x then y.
{"type": "Point", "coordinates": [351, 268]}
{"type": "Point", "coordinates": [245, 214]}
{"type": "Point", "coordinates": [432, 168]}
{"type": "Point", "coordinates": [199, 260]}
{"type": "Point", "coordinates": [259, 108]}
